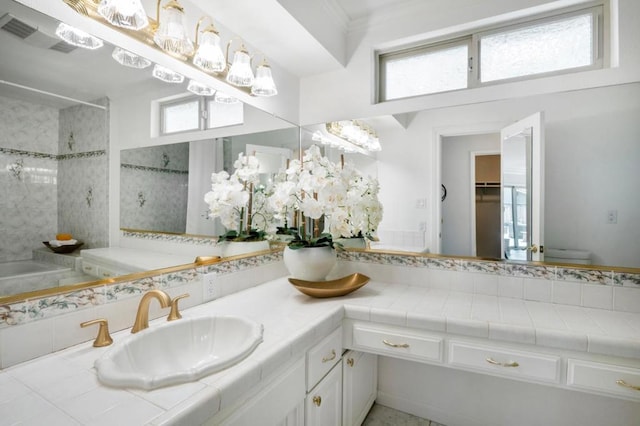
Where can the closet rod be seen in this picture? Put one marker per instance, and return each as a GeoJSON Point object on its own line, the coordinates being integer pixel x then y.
{"type": "Point", "coordinates": [20, 86]}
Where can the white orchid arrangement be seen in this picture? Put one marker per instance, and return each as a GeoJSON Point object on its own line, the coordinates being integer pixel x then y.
{"type": "Point", "coordinates": [241, 202]}
{"type": "Point", "coordinates": [336, 197]}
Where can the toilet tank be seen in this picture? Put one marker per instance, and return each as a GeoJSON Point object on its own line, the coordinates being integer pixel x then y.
{"type": "Point", "coordinates": [560, 255]}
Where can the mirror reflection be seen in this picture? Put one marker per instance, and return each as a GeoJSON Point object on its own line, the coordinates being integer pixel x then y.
{"type": "Point", "coordinates": [162, 187]}
{"type": "Point", "coordinates": [590, 173]}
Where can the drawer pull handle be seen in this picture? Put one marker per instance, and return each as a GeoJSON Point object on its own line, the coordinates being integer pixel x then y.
{"type": "Point", "coordinates": [503, 364]}
{"type": "Point", "coordinates": [317, 400]}
{"type": "Point", "coordinates": [395, 345]}
{"type": "Point", "coordinates": [330, 357]}
{"type": "Point", "coordinates": [350, 362]}
{"type": "Point", "coordinates": [627, 385]}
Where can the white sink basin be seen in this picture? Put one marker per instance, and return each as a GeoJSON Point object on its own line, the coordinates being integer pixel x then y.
{"type": "Point", "coordinates": [179, 351]}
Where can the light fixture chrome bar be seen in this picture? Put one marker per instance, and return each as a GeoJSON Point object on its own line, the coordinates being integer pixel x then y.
{"type": "Point", "coordinates": [44, 92]}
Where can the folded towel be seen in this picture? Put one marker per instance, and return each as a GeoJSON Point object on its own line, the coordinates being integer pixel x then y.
{"type": "Point", "coordinates": [58, 243]}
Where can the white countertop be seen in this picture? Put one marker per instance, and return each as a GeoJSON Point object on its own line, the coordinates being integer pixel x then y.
{"type": "Point", "coordinates": [63, 387]}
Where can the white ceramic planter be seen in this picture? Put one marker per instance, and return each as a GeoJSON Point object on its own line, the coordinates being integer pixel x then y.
{"type": "Point", "coordinates": [356, 242]}
{"type": "Point", "coordinates": [310, 263]}
{"type": "Point", "coordinates": [237, 248]}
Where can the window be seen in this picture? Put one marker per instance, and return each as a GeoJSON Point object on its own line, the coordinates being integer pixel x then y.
{"type": "Point", "coordinates": [180, 116]}
{"type": "Point", "coordinates": [198, 113]}
{"type": "Point", "coordinates": [425, 70]}
{"type": "Point", "coordinates": [561, 43]}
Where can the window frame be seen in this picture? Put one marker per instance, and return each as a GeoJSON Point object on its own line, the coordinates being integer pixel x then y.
{"type": "Point", "coordinates": [382, 58]}
{"type": "Point", "coordinates": [203, 114]}
{"type": "Point", "coordinates": [175, 102]}
{"type": "Point", "coordinates": [598, 9]}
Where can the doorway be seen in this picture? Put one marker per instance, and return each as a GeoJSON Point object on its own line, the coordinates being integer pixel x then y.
{"type": "Point", "coordinates": [486, 203]}
{"type": "Point", "coordinates": [458, 209]}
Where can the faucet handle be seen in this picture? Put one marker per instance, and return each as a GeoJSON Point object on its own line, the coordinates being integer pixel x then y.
{"type": "Point", "coordinates": [175, 312]}
{"type": "Point", "coordinates": [103, 338]}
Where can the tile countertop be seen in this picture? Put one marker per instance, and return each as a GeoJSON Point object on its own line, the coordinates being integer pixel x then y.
{"type": "Point", "coordinates": [63, 387]}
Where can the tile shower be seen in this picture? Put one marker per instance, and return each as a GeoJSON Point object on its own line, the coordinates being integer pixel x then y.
{"type": "Point", "coordinates": [53, 175]}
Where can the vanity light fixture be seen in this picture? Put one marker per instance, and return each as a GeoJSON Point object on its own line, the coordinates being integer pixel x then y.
{"type": "Point", "coordinates": [355, 132]}
{"type": "Point", "coordinates": [200, 89]}
{"type": "Point", "coordinates": [240, 73]}
{"type": "Point", "coordinates": [263, 84]}
{"type": "Point", "coordinates": [209, 56]}
{"type": "Point", "coordinates": [223, 98]}
{"type": "Point", "coordinates": [336, 142]}
{"type": "Point", "coordinates": [171, 35]}
{"type": "Point", "coordinates": [168, 33]}
{"type": "Point", "coordinates": [167, 75]}
{"type": "Point", "coordinates": [128, 59]}
{"type": "Point", "coordinates": [128, 14]}
{"type": "Point", "coordinates": [77, 37]}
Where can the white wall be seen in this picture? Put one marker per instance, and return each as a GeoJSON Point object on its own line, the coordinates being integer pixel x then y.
{"type": "Point", "coordinates": [349, 92]}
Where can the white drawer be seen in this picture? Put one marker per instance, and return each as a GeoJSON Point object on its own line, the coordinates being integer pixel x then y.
{"type": "Point", "coordinates": [505, 362]}
{"type": "Point", "coordinates": [604, 378]}
{"type": "Point", "coordinates": [398, 343]}
{"type": "Point", "coordinates": [323, 356]}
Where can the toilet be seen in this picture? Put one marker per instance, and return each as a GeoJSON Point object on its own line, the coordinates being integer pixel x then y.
{"type": "Point", "coordinates": [559, 255]}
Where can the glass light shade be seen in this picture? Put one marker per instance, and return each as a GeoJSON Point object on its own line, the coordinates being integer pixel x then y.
{"type": "Point", "coordinates": [167, 75]}
{"type": "Point", "coordinates": [223, 98]}
{"type": "Point", "coordinates": [128, 59]}
{"type": "Point", "coordinates": [78, 37]}
{"type": "Point", "coordinates": [240, 73]}
{"type": "Point", "coordinates": [124, 13]}
{"type": "Point", "coordinates": [171, 35]}
{"type": "Point", "coordinates": [200, 89]}
{"type": "Point", "coordinates": [209, 56]}
{"type": "Point", "coordinates": [263, 84]}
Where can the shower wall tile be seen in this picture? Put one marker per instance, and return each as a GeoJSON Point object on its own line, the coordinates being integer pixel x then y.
{"type": "Point", "coordinates": [28, 177]}
{"type": "Point", "coordinates": [28, 127]}
{"type": "Point", "coordinates": [153, 199]}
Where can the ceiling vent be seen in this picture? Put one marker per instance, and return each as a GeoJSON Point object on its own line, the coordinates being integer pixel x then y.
{"type": "Point", "coordinates": [63, 47]}
{"type": "Point", "coordinates": [16, 27]}
{"type": "Point", "coordinates": [32, 35]}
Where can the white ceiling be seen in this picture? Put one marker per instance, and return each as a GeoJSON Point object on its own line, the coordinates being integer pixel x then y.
{"type": "Point", "coordinates": [304, 37]}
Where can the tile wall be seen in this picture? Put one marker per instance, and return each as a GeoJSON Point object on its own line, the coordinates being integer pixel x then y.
{"type": "Point", "coordinates": [147, 175]}
{"type": "Point", "coordinates": [48, 178]}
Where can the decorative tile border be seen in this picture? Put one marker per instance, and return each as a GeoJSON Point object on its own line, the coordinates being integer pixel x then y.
{"type": "Point", "coordinates": [46, 307]}
{"type": "Point", "coordinates": [170, 238]}
{"type": "Point", "coordinates": [153, 169]}
{"type": "Point", "coordinates": [32, 154]}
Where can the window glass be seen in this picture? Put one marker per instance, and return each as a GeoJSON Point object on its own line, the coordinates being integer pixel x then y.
{"type": "Point", "coordinates": [180, 117]}
{"type": "Point", "coordinates": [223, 114]}
{"type": "Point", "coordinates": [536, 49]}
{"type": "Point", "coordinates": [425, 71]}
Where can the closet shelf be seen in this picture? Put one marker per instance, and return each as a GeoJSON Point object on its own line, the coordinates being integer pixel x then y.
{"type": "Point", "coordinates": [487, 184]}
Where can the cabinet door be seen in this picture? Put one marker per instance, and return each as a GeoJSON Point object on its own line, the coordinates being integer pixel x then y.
{"type": "Point", "coordinates": [359, 386]}
{"type": "Point", "coordinates": [323, 406]}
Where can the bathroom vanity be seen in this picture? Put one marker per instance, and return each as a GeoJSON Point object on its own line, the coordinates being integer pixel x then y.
{"type": "Point", "coordinates": [318, 362]}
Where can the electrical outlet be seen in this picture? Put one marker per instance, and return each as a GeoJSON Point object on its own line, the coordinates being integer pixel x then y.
{"type": "Point", "coordinates": [210, 288]}
{"type": "Point", "coordinates": [612, 216]}
{"type": "Point", "coordinates": [422, 226]}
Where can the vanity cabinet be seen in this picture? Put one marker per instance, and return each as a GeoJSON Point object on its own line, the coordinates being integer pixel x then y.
{"type": "Point", "coordinates": [604, 378]}
{"type": "Point", "coordinates": [323, 405]}
{"type": "Point", "coordinates": [497, 360]}
{"type": "Point", "coordinates": [359, 386]}
{"type": "Point", "coordinates": [280, 403]}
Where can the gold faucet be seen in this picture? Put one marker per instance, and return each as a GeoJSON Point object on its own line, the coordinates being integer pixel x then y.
{"type": "Point", "coordinates": [142, 317]}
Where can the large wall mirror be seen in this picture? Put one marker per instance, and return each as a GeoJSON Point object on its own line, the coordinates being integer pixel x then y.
{"type": "Point", "coordinates": [57, 108]}
{"type": "Point", "coordinates": [590, 205]}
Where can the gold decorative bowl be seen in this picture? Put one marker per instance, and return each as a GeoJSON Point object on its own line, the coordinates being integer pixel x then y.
{"type": "Point", "coordinates": [331, 288]}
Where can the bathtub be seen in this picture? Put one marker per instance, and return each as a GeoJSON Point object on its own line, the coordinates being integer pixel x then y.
{"type": "Point", "coordinates": [29, 275]}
